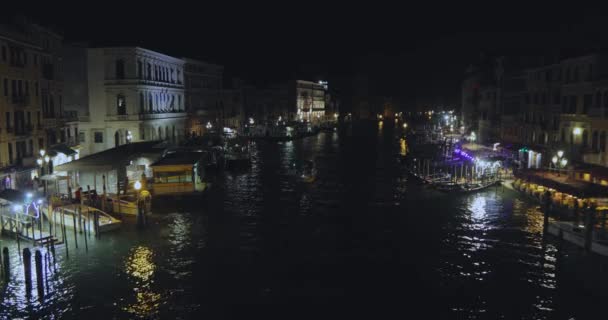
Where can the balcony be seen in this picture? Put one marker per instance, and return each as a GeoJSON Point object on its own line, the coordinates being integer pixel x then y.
{"type": "Point", "coordinates": [20, 101]}
{"type": "Point", "coordinates": [122, 117]}
{"type": "Point", "coordinates": [71, 142]}
{"type": "Point", "coordinates": [163, 115]}
{"type": "Point", "coordinates": [22, 131]}
{"type": "Point", "coordinates": [70, 116]}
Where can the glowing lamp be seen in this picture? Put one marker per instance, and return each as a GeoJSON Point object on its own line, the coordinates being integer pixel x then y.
{"type": "Point", "coordinates": [47, 158]}
{"type": "Point", "coordinates": [404, 125]}
{"type": "Point", "coordinates": [42, 152]}
{"type": "Point", "coordinates": [560, 153]}
{"type": "Point", "coordinates": [39, 161]}
{"type": "Point", "coordinates": [137, 185]}
{"type": "Point", "coordinates": [564, 162]}
{"type": "Point", "coordinates": [577, 131]}
{"type": "Point", "coordinates": [554, 160]}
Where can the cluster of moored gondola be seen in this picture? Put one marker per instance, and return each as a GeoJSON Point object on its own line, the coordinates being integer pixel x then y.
{"type": "Point", "coordinates": [446, 183]}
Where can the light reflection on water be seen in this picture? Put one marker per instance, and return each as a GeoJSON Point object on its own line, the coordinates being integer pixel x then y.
{"type": "Point", "coordinates": [140, 268]}
{"type": "Point", "coordinates": [262, 236]}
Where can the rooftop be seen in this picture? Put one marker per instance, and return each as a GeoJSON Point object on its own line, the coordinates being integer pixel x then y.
{"type": "Point", "coordinates": [113, 158]}
{"type": "Point", "coordinates": [179, 158]}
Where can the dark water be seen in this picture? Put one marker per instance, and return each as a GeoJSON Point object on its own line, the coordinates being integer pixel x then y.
{"type": "Point", "coordinates": [360, 242]}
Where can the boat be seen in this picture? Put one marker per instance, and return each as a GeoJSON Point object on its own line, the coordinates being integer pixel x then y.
{"type": "Point", "coordinates": [128, 203]}
{"type": "Point", "coordinates": [576, 234]}
{"type": "Point", "coordinates": [462, 187]}
{"type": "Point", "coordinates": [106, 221]}
{"type": "Point", "coordinates": [472, 187]}
{"type": "Point", "coordinates": [305, 172]}
{"type": "Point", "coordinates": [237, 154]}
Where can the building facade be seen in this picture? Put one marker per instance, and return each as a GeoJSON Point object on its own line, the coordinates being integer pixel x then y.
{"type": "Point", "coordinates": [134, 94]}
{"type": "Point", "coordinates": [203, 89]}
{"type": "Point", "coordinates": [310, 101]}
{"type": "Point", "coordinates": [31, 106]}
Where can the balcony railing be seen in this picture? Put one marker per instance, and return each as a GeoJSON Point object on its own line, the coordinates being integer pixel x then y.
{"type": "Point", "coordinates": [70, 115]}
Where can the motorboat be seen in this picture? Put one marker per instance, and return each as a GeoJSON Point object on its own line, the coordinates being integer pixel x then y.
{"type": "Point", "coordinates": [127, 204]}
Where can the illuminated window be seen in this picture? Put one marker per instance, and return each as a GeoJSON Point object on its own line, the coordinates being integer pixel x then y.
{"type": "Point", "coordinates": [121, 106]}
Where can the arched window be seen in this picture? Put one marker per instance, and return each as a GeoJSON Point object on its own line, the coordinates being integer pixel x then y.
{"type": "Point", "coordinates": [160, 133]}
{"type": "Point", "coordinates": [142, 102]}
{"type": "Point", "coordinates": [149, 73]}
{"type": "Point", "coordinates": [594, 141]}
{"type": "Point", "coordinates": [121, 105]}
{"type": "Point", "coordinates": [120, 69]}
{"type": "Point", "coordinates": [603, 141]}
{"type": "Point", "coordinates": [167, 136]}
{"type": "Point", "coordinates": [140, 69]}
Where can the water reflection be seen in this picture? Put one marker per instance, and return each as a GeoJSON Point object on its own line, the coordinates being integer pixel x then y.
{"type": "Point", "coordinates": [140, 267]}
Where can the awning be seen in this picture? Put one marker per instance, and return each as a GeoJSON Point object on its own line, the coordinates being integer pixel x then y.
{"type": "Point", "coordinates": [61, 148]}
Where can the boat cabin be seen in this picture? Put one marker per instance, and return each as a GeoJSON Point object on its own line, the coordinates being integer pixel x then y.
{"type": "Point", "coordinates": [178, 172]}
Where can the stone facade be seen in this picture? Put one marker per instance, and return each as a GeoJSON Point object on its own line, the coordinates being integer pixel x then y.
{"type": "Point", "coordinates": [134, 94]}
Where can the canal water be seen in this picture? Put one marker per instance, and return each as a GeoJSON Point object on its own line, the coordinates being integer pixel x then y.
{"type": "Point", "coordinates": [359, 242]}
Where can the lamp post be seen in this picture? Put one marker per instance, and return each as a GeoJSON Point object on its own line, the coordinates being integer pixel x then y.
{"type": "Point", "coordinates": [140, 213]}
{"type": "Point", "coordinates": [559, 162]}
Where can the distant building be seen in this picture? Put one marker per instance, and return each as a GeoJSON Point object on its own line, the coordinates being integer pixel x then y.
{"type": "Point", "coordinates": [31, 108]}
{"type": "Point", "coordinates": [203, 88]}
{"type": "Point", "coordinates": [134, 94]}
{"type": "Point", "coordinates": [310, 101]}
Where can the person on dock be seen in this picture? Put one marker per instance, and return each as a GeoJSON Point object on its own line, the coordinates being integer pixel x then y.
{"type": "Point", "coordinates": [77, 195]}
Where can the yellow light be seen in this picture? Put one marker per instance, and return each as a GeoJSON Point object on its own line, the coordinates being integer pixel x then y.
{"type": "Point", "coordinates": [404, 125]}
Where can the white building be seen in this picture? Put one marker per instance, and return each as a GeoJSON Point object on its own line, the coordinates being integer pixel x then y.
{"type": "Point", "coordinates": [134, 94]}
{"type": "Point", "coordinates": [310, 100]}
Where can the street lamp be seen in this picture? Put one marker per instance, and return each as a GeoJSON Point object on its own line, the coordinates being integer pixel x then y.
{"type": "Point", "coordinates": [559, 162]}
{"type": "Point", "coordinates": [42, 152]}
{"type": "Point", "coordinates": [140, 208]}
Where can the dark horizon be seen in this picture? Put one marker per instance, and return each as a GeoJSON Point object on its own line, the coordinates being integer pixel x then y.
{"type": "Point", "coordinates": [414, 58]}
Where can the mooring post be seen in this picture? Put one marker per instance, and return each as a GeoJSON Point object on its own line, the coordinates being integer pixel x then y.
{"type": "Point", "coordinates": [589, 219]}
{"type": "Point", "coordinates": [86, 245]}
{"type": "Point", "coordinates": [547, 205]}
{"type": "Point", "coordinates": [39, 275]}
{"type": "Point", "coordinates": [75, 235]}
{"type": "Point", "coordinates": [27, 266]}
{"type": "Point", "coordinates": [63, 232]}
{"type": "Point", "coordinates": [6, 263]}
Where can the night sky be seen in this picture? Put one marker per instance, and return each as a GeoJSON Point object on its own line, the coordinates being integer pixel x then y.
{"type": "Point", "coordinates": [411, 53]}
